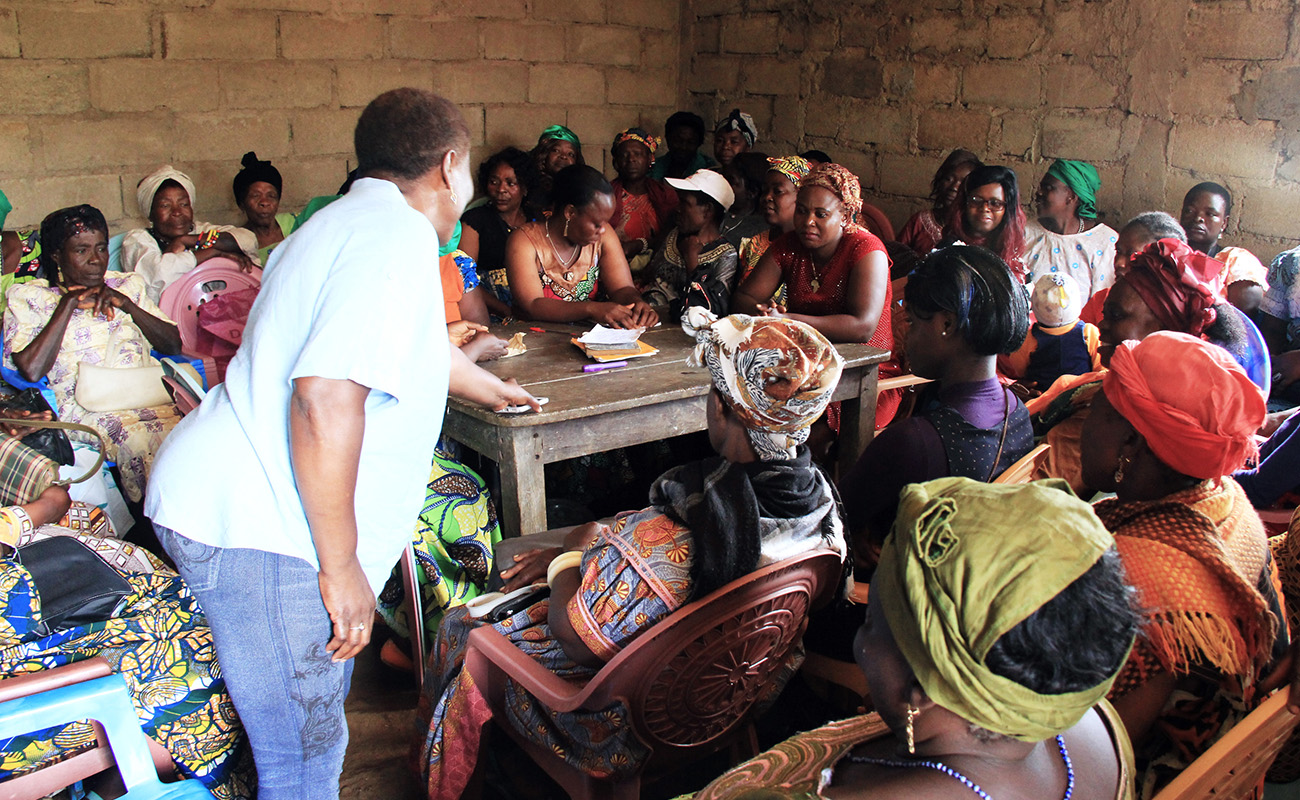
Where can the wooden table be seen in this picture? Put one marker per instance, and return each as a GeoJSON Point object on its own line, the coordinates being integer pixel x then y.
{"type": "Point", "coordinates": [652, 398]}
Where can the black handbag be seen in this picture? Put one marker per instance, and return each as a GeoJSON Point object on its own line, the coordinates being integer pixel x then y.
{"type": "Point", "coordinates": [76, 587]}
{"type": "Point", "coordinates": [49, 442]}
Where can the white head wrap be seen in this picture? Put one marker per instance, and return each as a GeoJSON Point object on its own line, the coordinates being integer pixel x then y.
{"type": "Point", "coordinates": [148, 186]}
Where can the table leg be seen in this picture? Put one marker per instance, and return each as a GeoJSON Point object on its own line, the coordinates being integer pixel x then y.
{"type": "Point", "coordinates": [858, 422]}
{"type": "Point", "coordinates": [523, 482]}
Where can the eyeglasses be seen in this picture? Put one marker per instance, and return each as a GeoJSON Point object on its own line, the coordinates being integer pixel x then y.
{"type": "Point", "coordinates": [979, 203]}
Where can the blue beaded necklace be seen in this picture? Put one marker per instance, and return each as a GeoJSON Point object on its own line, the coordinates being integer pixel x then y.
{"type": "Point", "coordinates": [967, 782]}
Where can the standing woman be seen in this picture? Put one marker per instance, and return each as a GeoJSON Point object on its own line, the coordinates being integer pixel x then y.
{"type": "Point", "coordinates": [924, 230]}
{"type": "Point", "coordinates": [988, 214]}
{"type": "Point", "coordinates": [174, 243]}
{"type": "Point", "coordinates": [559, 267]}
{"type": "Point", "coordinates": [836, 273]}
{"type": "Point", "coordinates": [257, 189]}
{"type": "Point", "coordinates": [1067, 237]}
{"type": "Point", "coordinates": [506, 178]}
{"type": "Point", "coordinates": [338, 428]}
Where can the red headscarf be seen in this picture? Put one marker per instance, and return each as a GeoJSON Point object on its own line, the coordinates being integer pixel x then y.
{"type": "Point", "coordinates": [1171, 279]}
{"type": "Point", "coordinates": [1190, 400]}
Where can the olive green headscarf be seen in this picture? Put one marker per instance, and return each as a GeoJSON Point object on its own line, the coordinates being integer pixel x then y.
{"type": "Point", "coordinates": [967, 562]}
{"type": "Point", "coordinates": [1083, 180]}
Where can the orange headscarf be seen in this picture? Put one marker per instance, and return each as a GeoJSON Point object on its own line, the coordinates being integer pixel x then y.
{"type": "Point", "coordinates": [1190, 399]}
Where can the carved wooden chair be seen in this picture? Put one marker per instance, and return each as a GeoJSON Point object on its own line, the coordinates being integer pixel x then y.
{"type": "Point", "coordinates": [689, 683]}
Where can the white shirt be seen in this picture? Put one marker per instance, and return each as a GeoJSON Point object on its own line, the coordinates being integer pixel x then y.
{"type": "Point", "coordinates": [1088, 257]}
{"type": "Point", "coordinates": [141, 254]}
{"type": "Point", "coordinates": [354, 295]}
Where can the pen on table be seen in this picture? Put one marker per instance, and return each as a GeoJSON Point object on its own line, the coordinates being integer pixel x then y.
{"type": "Point", "coordinates": [603, 367]}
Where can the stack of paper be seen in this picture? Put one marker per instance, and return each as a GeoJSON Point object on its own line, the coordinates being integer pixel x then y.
{"type": "Point", "coordinates": [612, 344]}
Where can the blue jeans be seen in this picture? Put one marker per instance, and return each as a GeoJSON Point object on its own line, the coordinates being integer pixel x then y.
{"type": "Point", "coordinates": [270, 628]}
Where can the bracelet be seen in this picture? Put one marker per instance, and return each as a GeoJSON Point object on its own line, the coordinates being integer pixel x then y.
{"type": "Point", "coordinates": [207, 240]}
{"type": "Point", "coordinates": [569, 559]}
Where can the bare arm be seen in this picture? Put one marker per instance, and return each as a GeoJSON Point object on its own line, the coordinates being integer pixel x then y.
{"type": "Point", "coordinates": [758, 287]}
{"type": "Point", "coordinates": [327, 423]}
{"type": "Point", "coordinates": [1140, 708]}
{"type": "Point", "coordinates": [868, 285]}
{"type": "Point", "coordinates": [37, 358]}
{"type": "Point", "coordinates": [468, 381]}
{"type": "Point", "coordinates": [164, 337]}
{"type": "Point", "coordinates": [469, 241]}
{"type": "Point", "coordinates": [526, 287]}
{"type": "Point", "coordinates": [1245, 295]}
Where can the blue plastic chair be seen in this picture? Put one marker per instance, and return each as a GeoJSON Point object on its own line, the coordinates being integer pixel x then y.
{"type": "Point", "coordinates": [106, 701]}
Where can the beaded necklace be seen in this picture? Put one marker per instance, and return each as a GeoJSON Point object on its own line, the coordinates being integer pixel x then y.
{"type": "Point", "coordinates": [967, 782]}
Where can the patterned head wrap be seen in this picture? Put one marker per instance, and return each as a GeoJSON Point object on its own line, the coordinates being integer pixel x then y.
{"type": "Point", "coordinates": [795, 168]}
{"type": "Point", "coordinates": [252, 172]}
{"type": "Point", "coordinates": [839, 181]}
{"type": "Point", "coordinates": [738, 120]}
{"type": "Point", "coordinates": [776, 374]}
{"type": "Point", "coordinates": [62, 225]}
{"type": "Point", "coordinates": [1083, 180]}
{"type": "Point", "coordinates": [965, 563]}
{"type": "Point", "coordinates": [637, 135]}
{"type": "Point", "coordinates": [559, 132]}
{"type": "Point", "coordinates": [150, 184]}
{"type": "Point", "coordinates": [1167, 276]}
{"type": "Point", "coordinates": [1190, 400]}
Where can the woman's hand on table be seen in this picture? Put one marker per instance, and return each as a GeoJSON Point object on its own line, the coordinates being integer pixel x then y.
{"type": "Point", "coordinates": [637, 314]}
{"type": "Point", "coordinates": [462, 331]}
{"type": "Point", "coordinates": [529, 567]}
{"type": "Point", "coordinates": [771, 310]}
{"type": "Point", "coordinates": [485, 347]}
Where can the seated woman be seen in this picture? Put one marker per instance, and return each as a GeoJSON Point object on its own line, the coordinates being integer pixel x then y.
{"type": "Point", "coordinates": [506, 178]}
{"type": "Point", "coordinates": [683, 135]}
{"type": "Point", "coordinates": [1243, 279]}
{"type": "Point", "coordinates": [560, 265]}
{"type": "Point", "coordinates": [924, 230]}
{"type": "Point", "coordinates": [733, 136]}
{"type": "Point", "coordinates": [1176, 415]}
{"type": "Point", "coordinates": [97, 317]}
{"type": "Point", "coordinates": [158, 639]}
{"type": "Point", "coordinates": [745, 173]}
{"type": "Point", "coordinates": [988, 214]}
{"type": "Point", "coordinates": [557, 148]}
{"type": "Point", "coordinates": [174, 243]}
{"type": "Point", "coordinates": [989, 645]}
{"type": "Point", "coordinates": [963, 309]}
{"type": "Point", "coordinates": [643, 206]}
{"type": "Point", "coordinates": [780, 189]}
{"type": "Point", "coordinates": [694, 252]}
{"type": "Point", "coordinates": [1136, 235]}
{"type": "Point", "coordinates": [257, 188]}
{"type": "Point", "coordinates": [709, 522]}
{"type": "Point", "coordinates": [1067, 236]}
{"type": "Point", "coordinates": [836, 273]}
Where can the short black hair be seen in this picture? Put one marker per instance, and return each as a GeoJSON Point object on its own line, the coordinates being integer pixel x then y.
{"type": "Point", "coordinates": [1229, 331]}
{"type": "Point", "coordinates": [819, 156]}
{"type": "Point", "coordinates": [976, 287]}
{"type": "Point", "coordinates": [1210, 187]}
{"type": "Point", "coordinates": [516, 159]}
{"type": "Point", "coordinates": [405, 133]}
{"type": "Point", "coordinates": [1076, 640]}
{"type": "Point", "coordinates": [577, 185]}
{"type": "Point", "coordinates": [686, 119]}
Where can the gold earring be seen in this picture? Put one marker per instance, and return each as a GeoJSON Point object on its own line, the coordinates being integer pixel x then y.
{"type": "Point", "coordinates": [566, 227]}
{"type": "Point", "coordinates": [454, 198]}
{"type": "Point", "coordinates": [1119, 471]}
{"type": "Point", "coordinates": [911, 728]}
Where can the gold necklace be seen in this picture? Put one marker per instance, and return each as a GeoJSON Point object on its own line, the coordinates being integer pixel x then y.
{"type": "Point", "coordinates": [566, 266]}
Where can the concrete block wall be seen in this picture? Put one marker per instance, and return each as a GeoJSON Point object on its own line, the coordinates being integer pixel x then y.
{"type": "Point", "coordinates": [94, 95]}
{"type": "Point", "coordinates": [1159, 94]}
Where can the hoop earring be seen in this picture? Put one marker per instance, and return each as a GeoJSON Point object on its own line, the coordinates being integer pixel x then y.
{"type": "Point", "coordinates": [911, 728]}
{"type": "Point", "coordinates": [1119, 471]}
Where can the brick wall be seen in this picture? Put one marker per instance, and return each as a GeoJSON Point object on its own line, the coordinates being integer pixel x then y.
{"type": "Point", "coordinates": [1159, 94]}
{"type": "Point", "coordinates": [93, 95]}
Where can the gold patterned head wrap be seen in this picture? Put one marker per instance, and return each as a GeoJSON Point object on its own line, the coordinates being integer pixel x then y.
{"type": "Point", "coordinates": [795, 168]}
{"type": "Point", "coordinates": [637, 135]}
{"type": "Point", "coordinates": [965, 563]}
{"type": "Point", "coordinates": [151, 183]}
{"type": "Point", "coordinates": [840, 182]}
{"type": "Point", "coordinates": [776, 374]}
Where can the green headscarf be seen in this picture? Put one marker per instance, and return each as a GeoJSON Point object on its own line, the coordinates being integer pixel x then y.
{"type": "Point", "coordinates": [5, 208]}
{"type": "Point", "coordinates": [1083, 180]}
{"type": "Point", "coordinates": [559, 132]}
{"type": "Point", "coordinates": [965, 563]}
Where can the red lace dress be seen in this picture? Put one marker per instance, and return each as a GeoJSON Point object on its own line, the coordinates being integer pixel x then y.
{"type": "Point", "coordinates": [824, 291]}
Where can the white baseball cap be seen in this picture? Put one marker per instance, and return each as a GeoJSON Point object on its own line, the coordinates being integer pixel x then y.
{"type": "Point", "coordinates": [707, 181]}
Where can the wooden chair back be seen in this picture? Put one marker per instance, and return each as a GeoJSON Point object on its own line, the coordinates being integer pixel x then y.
{"type": "Point", "coordinates": [689, 683]}
{"type": "Point", "coordinates": [1236, 764]}
{"type": "Point", "coordinates": [1023, 470]}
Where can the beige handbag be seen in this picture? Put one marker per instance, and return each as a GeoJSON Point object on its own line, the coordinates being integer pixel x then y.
{"type": "Point", "coordinates": [101, 388]}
